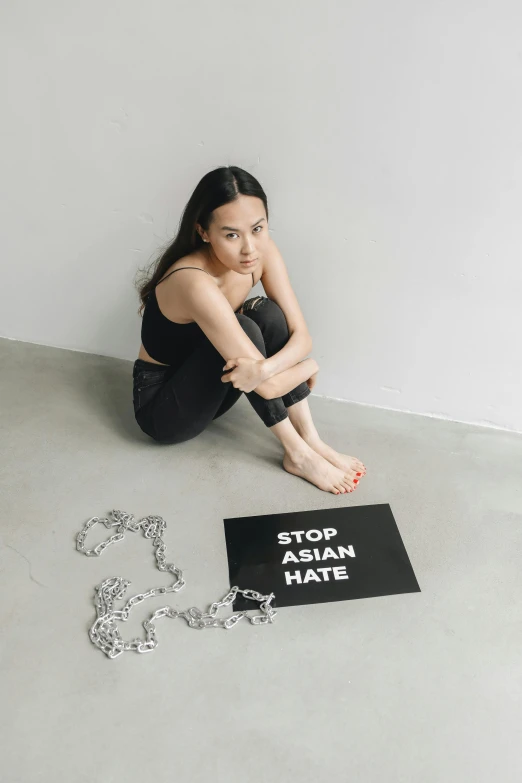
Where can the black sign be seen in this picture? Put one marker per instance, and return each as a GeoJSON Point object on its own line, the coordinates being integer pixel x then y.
{"type": "Point", "coordinates": [311, 557]}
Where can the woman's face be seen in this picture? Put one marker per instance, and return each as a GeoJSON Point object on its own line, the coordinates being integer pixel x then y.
{"type": "Point", "coordinates": [239, 233]}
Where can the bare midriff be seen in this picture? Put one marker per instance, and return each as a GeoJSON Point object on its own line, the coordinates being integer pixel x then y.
{"type": "Point", "coordinates": [146, 358]}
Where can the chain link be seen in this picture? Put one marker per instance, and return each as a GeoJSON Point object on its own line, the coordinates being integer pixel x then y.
{"type": "Point", "coordinates": [104, 632]}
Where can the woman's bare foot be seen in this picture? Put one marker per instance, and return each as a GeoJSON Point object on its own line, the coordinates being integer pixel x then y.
{"type": "Point", "coordinates": [311, 466]}
{"type": "Point", "coordinates": [350, 465]}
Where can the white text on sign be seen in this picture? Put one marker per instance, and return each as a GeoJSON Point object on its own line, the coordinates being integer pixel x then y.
{"type": "Point", "coordinates": [306, 555]}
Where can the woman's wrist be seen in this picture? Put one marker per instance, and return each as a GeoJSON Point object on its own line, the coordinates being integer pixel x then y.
{"type": "Point", "coordinates": [269, 372]}
{"type": "Point", "coordinates": [287, 380]}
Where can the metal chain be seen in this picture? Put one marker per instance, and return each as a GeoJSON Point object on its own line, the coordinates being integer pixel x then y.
{"type": "Point", "coordinates": [104, 632]}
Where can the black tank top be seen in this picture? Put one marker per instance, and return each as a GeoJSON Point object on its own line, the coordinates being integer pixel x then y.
{"type": "Point", "coordinates": [164, 340]}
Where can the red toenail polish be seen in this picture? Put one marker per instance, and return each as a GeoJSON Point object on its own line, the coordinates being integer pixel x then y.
{"type": "Point", "coordinates": [358, 474]}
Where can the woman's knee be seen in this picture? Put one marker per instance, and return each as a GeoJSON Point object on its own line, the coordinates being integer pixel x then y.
{"type": "Point", "coordinates": [265, 309]}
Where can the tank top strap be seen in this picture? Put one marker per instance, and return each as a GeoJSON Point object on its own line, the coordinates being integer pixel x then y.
{"type": "Point", "coordinates": [179, 270]}
{"type": "Point", "coordinates": [190, 267]}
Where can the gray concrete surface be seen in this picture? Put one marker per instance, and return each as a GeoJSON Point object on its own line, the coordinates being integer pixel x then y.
{"type": "Point", "coordinates": [420, 688]}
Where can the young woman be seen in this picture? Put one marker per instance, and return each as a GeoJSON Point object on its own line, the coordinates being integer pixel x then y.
{"type": "Point", "coordinates": [203, 345]}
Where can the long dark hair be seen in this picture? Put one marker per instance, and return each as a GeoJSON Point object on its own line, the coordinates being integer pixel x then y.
{"type": "Point", "coordinates": [218, 187]}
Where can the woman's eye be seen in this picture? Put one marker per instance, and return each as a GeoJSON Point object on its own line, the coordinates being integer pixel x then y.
{"type": "Point", "coordinates": [235, 235]}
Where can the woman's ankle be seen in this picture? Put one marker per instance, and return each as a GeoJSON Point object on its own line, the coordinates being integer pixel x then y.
{"type": "Point", "coordinates": [292, 442]}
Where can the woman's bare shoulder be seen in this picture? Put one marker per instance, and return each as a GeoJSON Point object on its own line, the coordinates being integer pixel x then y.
{"type": "Point", "coordinates": [171, 295]}
{"type": "Point", "coordinates": [194, 259]}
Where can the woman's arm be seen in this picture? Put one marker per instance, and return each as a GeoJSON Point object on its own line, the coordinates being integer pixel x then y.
{"type": "Point", "coordinates": [287, 380]}
{"type": "Point", "coordinates": [293, 351]}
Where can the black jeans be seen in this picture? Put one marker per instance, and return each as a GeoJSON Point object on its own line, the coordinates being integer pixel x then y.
{"type": "Point", "coordinates": [174, 405]}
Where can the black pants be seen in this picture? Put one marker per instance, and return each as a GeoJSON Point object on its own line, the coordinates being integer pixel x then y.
{"type": "Point", "coordinates": [176, 405]}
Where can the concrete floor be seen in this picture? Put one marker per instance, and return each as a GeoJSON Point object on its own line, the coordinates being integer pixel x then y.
{"type": "Point", "coordinates": [415, 688]}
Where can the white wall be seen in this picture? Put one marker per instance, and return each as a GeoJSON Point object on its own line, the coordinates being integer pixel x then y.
{"type": "Point", "coordinates": [388, 139]}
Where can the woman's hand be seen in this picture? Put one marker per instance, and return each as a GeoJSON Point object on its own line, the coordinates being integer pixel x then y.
{"type": "Point", "coordinates": [246, 374]}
